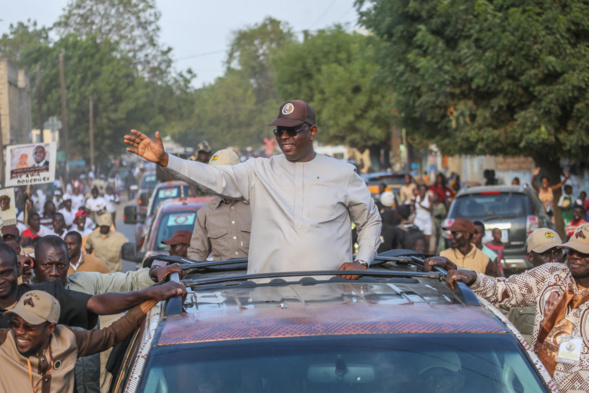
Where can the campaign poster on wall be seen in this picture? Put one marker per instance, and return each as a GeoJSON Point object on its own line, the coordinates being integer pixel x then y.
{"type": "Point", "coordinates": [30, 164]}
{"type": "Point", "coordinates": [7, 209]}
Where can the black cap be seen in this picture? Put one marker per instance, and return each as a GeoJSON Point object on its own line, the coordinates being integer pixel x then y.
{"type": "Point", "coordinates": [294, 113]}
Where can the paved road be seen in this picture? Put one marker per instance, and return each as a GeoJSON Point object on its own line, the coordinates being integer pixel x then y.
{"type": "Point", "coordinates": [126, 229]}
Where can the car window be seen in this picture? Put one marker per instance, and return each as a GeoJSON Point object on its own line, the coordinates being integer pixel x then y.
{"type": "Point", "coordinates": [478, 363]}
{"type": "Point", "coordinates": [170, 223]}
{"type": "Point", "coordinates": [168, 193]}
{"type": "Point", "coordinates": [149, 182]}
{"type": "Point", "coordinates": [496, 205]}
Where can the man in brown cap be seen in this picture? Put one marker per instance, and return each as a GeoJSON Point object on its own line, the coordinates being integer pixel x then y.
{"type": "Point", "coordinates": [223, 225]}
{"type": "Point", "coordinates": [463, 252]}
{"type": "Point", "coordinates": [559, 293]}
{"type": "Point", "coordinates": [302, 203]}
{"type": "Point", "coordinates": [38, 355]}
{"type": "Point", "coordinates": [179, 243]}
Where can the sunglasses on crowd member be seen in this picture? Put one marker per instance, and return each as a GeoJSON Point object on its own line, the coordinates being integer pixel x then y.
{"type": "Point", "coordinates": [553, 252]}
{"type": "Point", "coordinates": [26, 327]}
{"type": "Point", "coordinates": [291, 131]}
{"type": "Point", "coordinates": [571, 252]}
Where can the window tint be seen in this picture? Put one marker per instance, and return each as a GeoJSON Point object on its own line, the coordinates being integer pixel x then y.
{"type": "Point", "coordinates": [503, 205]}
{"type": "Point", "coordinates": [396, 363]}
{"type": "Point", "coordinates": [168, 193]}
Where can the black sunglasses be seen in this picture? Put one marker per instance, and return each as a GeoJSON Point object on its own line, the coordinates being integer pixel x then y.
{"type": "Point", "coordinates": [291, 131]}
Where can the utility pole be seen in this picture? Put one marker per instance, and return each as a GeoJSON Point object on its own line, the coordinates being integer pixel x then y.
{"type": "Point", "coordinates": [91, 133]}
{"type": "Point", "coordinates": [63, 107]}
{"type": "Point", "coordinates": [39, 106]}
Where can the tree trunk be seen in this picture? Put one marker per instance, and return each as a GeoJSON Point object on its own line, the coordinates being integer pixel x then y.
{"type": "Point", "coordinates": [553, 171]}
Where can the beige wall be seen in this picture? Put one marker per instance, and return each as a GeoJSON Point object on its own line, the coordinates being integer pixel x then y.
{"type": "Point", "coordinates": [15, 104]}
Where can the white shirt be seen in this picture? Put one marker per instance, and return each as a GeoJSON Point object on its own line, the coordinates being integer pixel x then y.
{"type": "Point", "coordinates": [77, 202]}
{"type": "Point", "coordinates": [68, 216]}
{"type": "Point", "coordinates": [111, 206]}
{"type": "Point", "coordinates": [302, 212]}
{"type": "Point", "coordinates": [96, 204]}
{"type": "Point", "coordinates": [85, 232]}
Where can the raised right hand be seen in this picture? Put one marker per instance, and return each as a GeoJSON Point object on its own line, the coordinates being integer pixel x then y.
{"type": "Point", "coordinates": [147, 148]}
{"type": "Point", "coordinates": [537, 171]}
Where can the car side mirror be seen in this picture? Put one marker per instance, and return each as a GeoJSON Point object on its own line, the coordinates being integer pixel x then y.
{"type": "Point", "coordinates": [130, 214]}
{"type": "Point", "coordinates": [129, 252]}
{"type": "Point", "coordinates": [143, 199]}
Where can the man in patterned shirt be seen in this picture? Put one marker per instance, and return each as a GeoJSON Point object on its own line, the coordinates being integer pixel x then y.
{"type": "Point", "coordinates": [559, 291]}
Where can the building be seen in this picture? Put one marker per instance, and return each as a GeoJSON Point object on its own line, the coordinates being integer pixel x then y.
{"type": "Point", "coordinates": [15, 104]}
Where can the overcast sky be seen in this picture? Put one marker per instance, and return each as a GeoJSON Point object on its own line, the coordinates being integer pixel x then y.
{"type": "Point", "coordinates": [200, 30]}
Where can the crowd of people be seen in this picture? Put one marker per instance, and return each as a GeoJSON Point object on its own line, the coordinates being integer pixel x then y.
{"type": "Point", "coordinates": [291, 212]}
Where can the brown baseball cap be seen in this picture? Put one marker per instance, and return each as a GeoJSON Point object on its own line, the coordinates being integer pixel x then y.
{"type": "Point", "coordinates": [37, 307]}
{"type": "Point", "coordinates": [543, 239]}
{"type": "Point", "coordinates": [294, 113]}
{"type": "Point", "coordinates": [461, 225]}
{"type": "Point", "coordinates": [580, 240]}
{"type": "Point", "coordinates": [10, 230]}
{"type": "Point", "coordinates": [180, 237]}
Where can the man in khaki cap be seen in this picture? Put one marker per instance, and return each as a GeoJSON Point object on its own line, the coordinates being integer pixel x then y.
{"type": "Point", "coordinates": [38, 355]}
{"type": "Point", "coordinates": [106, 243]}
{"type": "Point", "coordinates": [559, 292]}
{"type": "Point", "coordinates": [544, 246]}
{"type": "Point", "coordinates": [223, 225]}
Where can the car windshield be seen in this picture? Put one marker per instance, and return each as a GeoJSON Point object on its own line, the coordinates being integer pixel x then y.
{"type": "Point", "coordinates": [493, 204]}
{"type": "Point", "coordinates": [168, 193]}
{"type": "Point", "coordinates": [170, 223]}
{"type": "Point", "coordinates": [478, 363]}
{"type": "Point", "coordinates": [149, 182]}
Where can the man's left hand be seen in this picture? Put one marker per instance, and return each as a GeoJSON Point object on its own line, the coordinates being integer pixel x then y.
{"type": "Point", "coordinates": [160, 273]}
{"type": "Point", "coordinates": [352, 266]}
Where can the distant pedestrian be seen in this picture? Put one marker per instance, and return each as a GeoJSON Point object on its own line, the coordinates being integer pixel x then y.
{"type": "Point", "coordinates": [406, 191]}
{"type": "Point", "coordinates": [477, 240]}
{"type": "Point", "coordinates": [441, 188]}
{"type": "Point", "coordinates": [69, 214]}
{"type": "Point", "coordinates": [580, 201]}
{"type": "Point", "coordinates": [35, 229]}
{"type": "Point", "coordinates": [78, 199]}
{"type": "Point", "coordinates": [46, 219]}
{"type": "Point", "coordinates": [496, 244]}
{"type": "Point", "coordinates": [515, 181]}
{"type": "Point", "coordinates": [79, 261]}
{"type": "Point", "coordinates": [59, 227]}
{"type": "Point", "coordinates": [387, 213]}
{"type": "Point", "coordinates": [106, 244]}
{"type": "Point", "coordinates": [578, 219]}
{"type": "Point", "coordinates": [423, 213]}
{"type": "Point", "coordinates": [111, 199]}
{"type": "Point", "coordinates": [409, 236]}
{"type": "Point", "coordinates": [545, 192]}
{"type": "Point", "coordinates": [95, 204]}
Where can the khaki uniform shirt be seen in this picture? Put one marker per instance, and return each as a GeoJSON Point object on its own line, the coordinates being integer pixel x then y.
{"type": "Point", "coordinates": [302, 212]}
{"type": "Point", "coordinates": [107, 248]}
{"type": "Point", "coordinates": [542, 288]}
{"type": "Point", "coordinates": [475, 260]}
{"type": "Point", "coordinates": [66, 346]}
{"type": "Point", "coordinates": [406, 192]}
{"type": "Point", "coordinates": [222, 229]}
{"type": "Point", "coordinates": [88, 263]}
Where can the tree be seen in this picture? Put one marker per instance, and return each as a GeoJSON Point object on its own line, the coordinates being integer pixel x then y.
{"type": "Point", "coordinates": [92, 69]}
{"type": "Point", "coordinates": [131, 24]}
{"type": "Point", "coordinates": [226, 114]}
{"type": "Point", "coordinates": [488, 77]}
{"type": "Point", "coordinates": [333, 70]}
{"type": "Point", "coordinates": [251, 49]}
{"type": "Point", "coordinates": [21, 36]}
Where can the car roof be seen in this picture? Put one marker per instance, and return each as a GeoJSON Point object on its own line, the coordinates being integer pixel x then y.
{"type": "Point", "coordinates": [182, 204]}
{"type": "Point", "coordinates": [395, 298]}
{"type": "Point", "coordinates": [171, 183]}
{"type": "Point", "coordinates": [481, 189]}
{"type": "Point", "coordinates": [322, 309]}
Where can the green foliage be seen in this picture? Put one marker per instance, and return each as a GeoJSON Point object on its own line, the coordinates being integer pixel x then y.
{"type": "Point", "coordinates": [21, 36]}
{"type": "Point", "coordinates": [488, 76]}
{"type": "Point", "coordinates": [251, 49]}
{"type": "Point", "coordinates": [131, 24]}
{"type": "Point", "coordinates": [227, 114]}
{"type": "Point", "coordinates": [333, 70]}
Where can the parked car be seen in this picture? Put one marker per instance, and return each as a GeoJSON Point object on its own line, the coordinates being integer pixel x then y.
{"type": "Point", "coordinates": [393, 181]}
{"type": "Point", "coordinates": [397, 329]}
{"type": "Point", "coordinates": [147, 184]}
{"type": "Point", "coordinates": [170, 216]}
{"type": "Point", "coordinates": [515, 210]}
